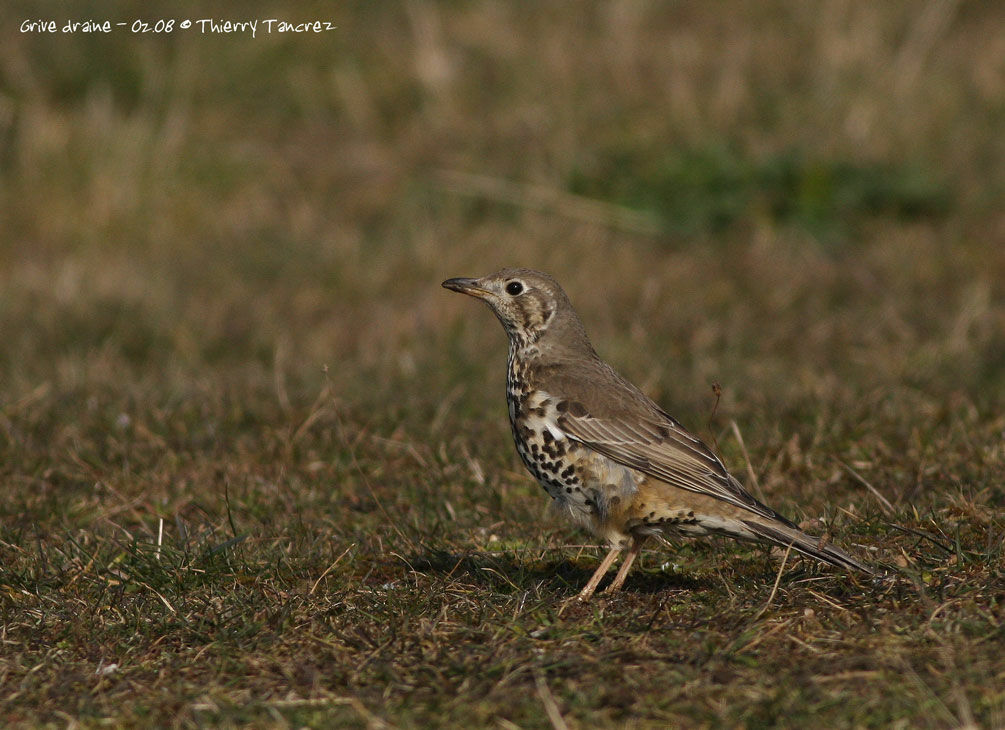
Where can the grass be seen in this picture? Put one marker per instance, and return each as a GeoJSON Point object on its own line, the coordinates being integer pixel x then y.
{"type": "Point", "coordinates": [708, 190]}
{"type": "Point", "coordinates": [254, 461]}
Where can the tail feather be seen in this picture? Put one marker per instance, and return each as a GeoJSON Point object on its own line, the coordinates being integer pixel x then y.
{"type": "Point", "coordinates": [783, 535]}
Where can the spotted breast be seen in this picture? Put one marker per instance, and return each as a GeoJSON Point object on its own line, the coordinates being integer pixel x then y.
{"type": "Point", "coordinates": [588, 488]}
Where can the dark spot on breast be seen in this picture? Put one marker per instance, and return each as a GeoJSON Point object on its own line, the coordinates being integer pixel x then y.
{"type": "Point", "coordinates": [546, 402]}
{"type": "Point", "coordinates": [568, 472]}
{"type": "Point", "coordinates": [615, 501]}
{"type": "Point", "coordinates": [568, 490]}
{"type": "Point", "coordinates": [548, 438]}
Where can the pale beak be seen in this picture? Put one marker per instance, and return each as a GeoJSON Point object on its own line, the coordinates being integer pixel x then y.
{"type": "Point", "coordinates": [466, 286]}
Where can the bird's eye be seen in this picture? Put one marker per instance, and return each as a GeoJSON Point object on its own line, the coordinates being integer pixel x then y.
{"type": "Point", "coordinates": [514, 288]}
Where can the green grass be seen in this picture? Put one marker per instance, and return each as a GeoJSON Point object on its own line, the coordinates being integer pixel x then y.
{"type": "Point", "coordinates": [700, 191]}
{"type": "Point", "coordinates": [254, 463]}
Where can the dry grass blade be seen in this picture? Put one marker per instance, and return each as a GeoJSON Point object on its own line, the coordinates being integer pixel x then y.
{"type": "Point", "coordinates": [330, 568]}
{"type": "Point", "coordinates": [550, 706]}
{"type": "Point", "coordinates": [884, 503]}
{"type": "Point", "coordinates": [542, 198]}
{"type": "Point", "coordinates": [754, 484]}
{"type": "Point", "coordinates": [774, 588]}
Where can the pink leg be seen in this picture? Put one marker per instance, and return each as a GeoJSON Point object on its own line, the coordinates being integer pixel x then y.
{"type": "Point", "coordinates": [605, 565]}
{"type": "Point", "coordinates": [633, 553]}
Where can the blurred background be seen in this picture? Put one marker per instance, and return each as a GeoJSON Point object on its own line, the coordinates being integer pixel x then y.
{"type": "Point", "coordinates": [203, 232]}
{"type": "Point", "coordinates": [221, 325]}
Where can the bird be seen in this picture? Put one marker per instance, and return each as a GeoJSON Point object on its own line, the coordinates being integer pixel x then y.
{"type": "Point", "coordinates": [611, 459]}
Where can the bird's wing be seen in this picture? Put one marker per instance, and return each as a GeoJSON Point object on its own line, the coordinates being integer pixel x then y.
{"type": "Point", "coordinates": [660, 447]}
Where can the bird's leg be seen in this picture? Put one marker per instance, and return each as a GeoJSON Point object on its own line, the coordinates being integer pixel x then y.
{"type": "Point", "coordinates": [605, 565]}
{"type": "Point", "coordinates": [633, 552]}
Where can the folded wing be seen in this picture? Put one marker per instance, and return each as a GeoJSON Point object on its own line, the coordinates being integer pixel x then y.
{"type": "Point", "coordinates": [661, 448]}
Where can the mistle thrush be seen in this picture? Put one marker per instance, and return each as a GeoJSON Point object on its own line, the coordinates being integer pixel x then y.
{"type": "Point", "coordinates": [612, 460]}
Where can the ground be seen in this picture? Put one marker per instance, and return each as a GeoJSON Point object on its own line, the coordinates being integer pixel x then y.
{"type": "Point", "coordinates": [255, 468]}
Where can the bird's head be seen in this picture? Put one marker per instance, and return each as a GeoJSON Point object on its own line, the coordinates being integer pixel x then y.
{"type": "Point", "coordinates": [530, 304]}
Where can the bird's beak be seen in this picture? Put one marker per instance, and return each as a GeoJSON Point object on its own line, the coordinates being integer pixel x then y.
{"type": "Point", "coordinates": [466, 286]}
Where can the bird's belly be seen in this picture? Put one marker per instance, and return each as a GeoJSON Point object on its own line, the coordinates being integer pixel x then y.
{"type": "Point", "coordinates": [585, 486]}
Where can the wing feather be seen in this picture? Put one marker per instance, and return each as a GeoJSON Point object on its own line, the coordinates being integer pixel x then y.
{"type": "Point", "coordinates": [663, 450]}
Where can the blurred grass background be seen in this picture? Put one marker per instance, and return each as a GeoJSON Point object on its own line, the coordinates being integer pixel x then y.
{"type": "Point", "coordinates": [223, 332]}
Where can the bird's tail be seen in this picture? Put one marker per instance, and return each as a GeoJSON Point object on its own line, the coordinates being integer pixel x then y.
{"type": "Point", "coordinates": [784, 535]}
